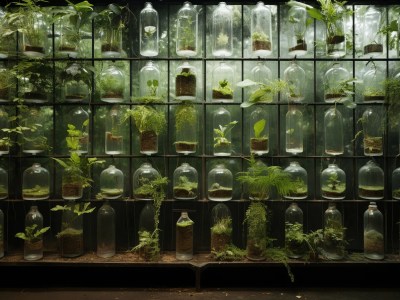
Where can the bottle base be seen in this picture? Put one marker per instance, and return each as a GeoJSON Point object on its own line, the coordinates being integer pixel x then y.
{"type": "Point", "coordinates": [184, 256]}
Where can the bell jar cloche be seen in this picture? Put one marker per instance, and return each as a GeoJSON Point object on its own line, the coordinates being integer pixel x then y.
{"type": "Point", "coordinates": [3, 184]}
{"type": "Point", "coordinates": [185, 182]}
{"type": "Point", "coordinates": [335, 84]}
{"type": "Point", "coordinates": [112, 84]}
{"type": "Point", "coordinates": [295, 76]}
{"type": "Point", "coordinates": [333, 183]}
{"type": "Point", "coordinates": [149, 31]}
{"type": "Point", "coordinates": [35, 183]}
{"type": "Point", "coordinates": [222, 31]}
{"type": "Point", "coordinates": [296, 36]}
{"type": "Point", "coordinates": [372, 37]}
{"type": "Point", "coordinates": [221, 227]}
{"type": "Point", "coordinates": [371, 181]}
{"type": "Point", "coordinates": [186, 30]}
{"type": "Point", "coordinates": [261, 30]}
{"type": "Point", "coordinates": [186, 82]}
{"type": "Point", "coordinates": [76, 83]}
{"type": "Point", "coordinates": [222, 83]}
{"type": "Point", "coordinates": [374, 85]}
{"type": "Point", "coordinates": [222, 127]}
{"type": "Point", "coordinates": [299, 179]}
{"type": "Point", "coordinates": [374, 243]}
{"type": "Point", "coordinates": [150, 82]}
{"type": "Point", "coordinates": [111, 183]}
{"type": "Point", "coordinates": [142, 179]}
{"type": "Point", "coordinates": [259, 131]}
{"type": "Point", "coordinates": [220, 183]}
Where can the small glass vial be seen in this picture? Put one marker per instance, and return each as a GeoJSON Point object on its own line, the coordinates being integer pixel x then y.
{"type": "Point", "coordinates": [259, 131]}
{"type": "Point", "coordinates": [374, 243]}
{"type": "Point", "coordinates": [297, 45]}
{"type": "Point", "coordinates": [3, 184]}
{"type": "Point", "coordinates": [335, 36]}
{"type": "Point", "coordinates": [371, 36]}
{"type": "Point", "coordinates": [112, 85]}
{"type": "Point", "coordinates": [333, 132]}
{"type": "Point", "coordinates": [141, 181]}
{"type": "Point", "coordinates": [146, 233]}
{"type": "Point", "coordinates": [295, 76]}
{"type": "Point", "coordinates": [221, 227]}
{"type": "Point", "coordinates": [35, 183]}
{"type": "Point", "coordinates": [186, 182]}
{"type": "Point", "coordinates": [220, 183]}
{"type": "Point", "coordinates": [2, 234]}
{"type": "Point", "coordinates": [186, 82]}
{"type": "Point", "coordinates": [34, 141]}
{"type": "Point", "coordinates": [186, 30]}
{"type": "Point", "coordinates": [111, 183]}
{"type": "Point", "coordinates": [149, 31]}
{"type": "Point", "coordinates": [71, 236]}
{"type": "Point", "coordinates": [222, 128]}
{"type": "Point", "coordinates": [149, 80]}
{"type": "Point", "coordinates": [184, 237]}
{"type": "Point", "coordinates": [72, 188]}
{"type": "Point", "coordinates": [222, 83]}
{"type": "Point", "coordinates": [34, 42]}
{"type": "Point", "coordinates": [333, 183]}
{"type": "Point", "coordinates": [334, 80]}
{"type": "Point", "coordinates": [222, 31]}
{"type": "Point", "coordinates": [4, 137]}
{"type": "Point", "coordinates": [79, 118]}
{"type": "Point", "coordinates": [261, 30]}
{"type": "Point", "coordinates": [5, 82]}
{"type": "Point", "coordinates": [67, 42]}
{"type": "Point", "coordinates": [372, 132]}
{"type": "Point", "coordinates": [186, 129]}
{"type": "Point", "coordinates": [396, 184]}
{"type": "Point", "coordinates": [374, 88]}
{"type": "Point", "coordinates": [111, 41]}
{"type": "Point", "coordinates": [106, 231]}
{"type": "Point", "coordinates": [294, 243]}
{"type": "Point", "coordinates": [33, 246]}
{"type": "Point", "coordinates": [76, 83]}
{"type": "Point", "coordinates": [294, 131]}
{"type": "Point", "coordinates": [334, 233]}
{"type": "Point", "coordinates": [262, 74]}
{"type": "Point", "coordinates": [299, 179]}
{"type": "Point", "coordinates": [371, 181]}
{"type": "Point", "coordinates": [114, 137]}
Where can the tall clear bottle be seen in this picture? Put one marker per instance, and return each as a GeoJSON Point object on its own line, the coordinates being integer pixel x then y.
{"type": "Point", "coordinates": [333, 183]}
{"type": "Point", "coordinates": [334, 80]}
{"type": "Point", "coordinates": [259, 131]}
{"type": "Point", "coordinates": [184, 237]}
{"type": "Point", "coordinates": [1, 234]}
{"type": "Point", "coordinates": [106, 231]}
{"type": "Point", "coordinates": [297, 45]}
{"type": "Point", "coordinates": [186, 82]}
{"type": "Point", "coordinates": [149, 31]}
{"type": "Point", "coordinates": [294, 243]}
{"type": "Point", "coordinates": [186, 182]}
{"type": "Point", "coordinates": [295, 76]}
{"type": "Point", "coordinates": [372, 132]}
{"type": "Point", "coordinates": [222, 140]}
{"type": "Point", "coordinates": [294, 131]}
{"type": "Point", "coordinates": [3, 184]}
{"type": "Point", "coordinates": [34, 141]}
{"type": "Point", "coordinates": [34, 40]}
{"type": "Point", "coordinates": [261, 30]}
{"type": "Point", "coordinates": [335, 36]}
{"type": "Point", "coordinates": [371, 183]}
{"type": "Point", "coordinates": [70, 238]}
{"type": "Point", "coordinates": [220, 183]}
{"type": "Point", "coordinates": [186, 129]}
{"type": "Point", "coordinates": [222, 31]}
{"type": "Point", "coordinates": [33, 246]}
{"type": "Point", "coordinates": [151, 250]}
{"type": "Point", "coordinates": [333, 132]}
{"type": "Point", "coordinates": [111, 183]}
{"type": "Point", "coordinates": [141, 181]}
{"type": "Point", "coordinates": [114, 137]}
{"type": "Point", "coordinates": [79, 118]}
{"type": "Point", "coordinates": [300, 181]}
{"type": "Point", "coordinates": [334, 233]}
{"type": "Point", "coordinates": [374, 243]}
{"type": "Point", "coordinates": [112, 84]}
{"type": "Point", "coordinates": [4, 137]}
{"type": "Point", "coordinates": [186, 30]}
{"type": "Point", "coordinates": [373, 39]}
{"type": "Point", "coordinates": [221, 227]}
{"type": "Point", "coordinates": [374, 85]}
{"type": "Point", "coordinates": [149, 80]}
{"type": "Point", "coordinates": [222, 83]}
{"type": "Point", "coordinates": [35, 183]}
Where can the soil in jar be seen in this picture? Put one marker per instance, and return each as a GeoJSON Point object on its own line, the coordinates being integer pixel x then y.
{"type": "Point", "coordinates": [373, 48]}
{"type": "Point", "coordinates": [373, 144]}
{"type": "Point", "coordinates": [219, 241]}
{"type": "Point", "coordinates": [109, 48]}
{"type": "Point", "coordinates": [301, 45]}
{"type": "Point", "coordinates": [71, 242]}
{"type": "Point", "coordinates": [36, 192]}
{"type": "Point", "coordinates": [335, 96]}
{"type": "Point", "coordinates": [34, 245]}
{"type": "Point", "coordinates": [220, 192]}
{"type": "Point", "coordinates": [113, 95]}
{"type": "Point", "coordinates": [255, 250]}
{"type": "Point", "coordinates": [184, 237]}
{"type": "Point", "coordinates": [370, 192]}
{"type": "Point", "coordinates": [258, 144]}
{"type": "Point", "coordinates": [261, 45]}
{"type": "Point", "coordinates": [336, 192]}
{"type": "Point", "coordinates": [30, 48]}
{"type": "Point", "coordinates": [185, 85]}
{"type": "Point", "coordinates": [72, 189]}
{"type": "Point", "coordinates": [185, 147]}
{"type": "Point", "coordinates": [148, 141]}
{"type": "Point", "coordinates": [111, 193]}
{"type": "Point", "coordinates": [369, 98]}
{"type": "Point", "coordinates": [182, 192]}
{"type": "Point", "coordinates": [76, 97]}
{"type": "Point", "coordinates": [336, 39]}
{"type": "Point", "coordinates": [66, 48]}
{"type": "Point", "coordinates": [217, 94]}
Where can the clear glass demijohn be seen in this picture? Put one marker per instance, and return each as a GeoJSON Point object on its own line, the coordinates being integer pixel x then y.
{"type": "Point", "coordinates": [334, 234]}
{"type": "Point", "coordinates": [2, 234]}
{"type": "Point", "coordinates": [396, 184]}
{"type": "Point", "coordinates": [374, 242]}
{"type": "Point", "coordinates": [111, 183]}
{"type": "Point", "coordinates": [371, 181]}
{"type": "Point", "coordinates": [149, 80]}
{"type": "Point", "coordinates": [259, 131]}
{"type": "Point", "coordinates": [374, 85]}
{"type": "Point", "coordinates": [220, 183]}
{"type": "Point", "coordinates": [294, 247]}
{"type": "Point", "coordinates": [222, 139]}
{"type": "Point", "coordinates": [222, 83]}
{"type": "Point", "coordinates": [221, 227]}
{"type": "Point", "coordinates": [106, 231]}
{"type": "Point", "coordinates": [33, 246]}
{"type": "Point", "coordinates": [184, 237]}
{"type": "Point", "coordinates": [372, 132]}
{"type": "Point", "coordinates": [79, 118]}
{"type": "Point", "coordinates": [222, 31]}
{"type": "Point", "coordinates": [186, 129]}
{"type": "Point", "coordinates": [142, 179]}
{"type": "Point", "coordinates": [185, 82]}
{"type": "Point", "coordinates": [295, 76]}
{"type": "Point", "coordinates": [294, 131]}
{"type": "Point", "coordinates": [149, 31]}
{"type": "Point", "coordinates": [297, 45]}
{"type": "Point", "coordinates": [372, 38]}
{"type": "Point", "coordinates": [186, 30]}
{"type": "Point", "coordinates": [35, 183]}
{"type": "Point", "coordinates": [3, 184]}
{"type": "Point", "coordinates": [112, 84]}
{"type": "Point", "coordinates": [261, 30]}
{"type": "Point", "coordinates": [300, 181]}
{"type": "Point", "coordinates": [333, 183]}
{"type": "Point", "coordinates": [185, 182]}
{"type": "Point", "coordinates": [4, 137]}
{"type": "Point", "coordinates": [334, 80]}
{"type": "Point", "coordinates": [114, 136]}
{"type": "Point", "coordinates": [333, 132]}
{"type": "Point", "coordinates": [76, 84]}
{"type": "Point", "coordinates": [336, 36]}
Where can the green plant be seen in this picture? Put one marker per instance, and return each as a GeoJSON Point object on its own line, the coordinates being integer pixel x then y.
{"type": "Point", "coordinates": [222, 39]}
{"type": "Point", "coordinates": [222, 226]}
{"type": "Point", "coordinates": [31, 233]}
{"type": "Point", "coordinates": [151, 97]}
{"type": "Point", "coordinates": [221, 132]}
{"type": "Point", "coordinates": [259, 36]}
{"type": "Point", "coordinates": [223, 89]}
{"type": "Point", "coordinates": [334, 236]}
{"type": "Point", "coordinates": [258, 129]}
{"type": "Point", "coordinates": [185, 187]}
{"type": "Point", "coordinates": [315, 241]}
{"type": "Point", "coordinates": [147, 118]}
{"type": "Point", "coordinates": [391, 30]}
{"type": "Point", "coordinates": [186, 115]}
{"type": "Point", "coordinates": [343, 90]}
{"type": "Point", "coordinates": [392, 88]}
{"type": "Point", "coordinates": [230, 253]}
{"type": "Point", "coordinates": [187, 36]}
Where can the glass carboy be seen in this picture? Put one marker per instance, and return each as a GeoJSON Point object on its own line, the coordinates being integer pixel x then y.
{"type": "Point", "coordinates": [149, 31]}
{"type": "Point", "coordinates": [3, 184]}
{"type": "Point", "coordinates": [220, 183]}
{"type": "Point", "coordinates": [333, 131]}
{"type": "Point", "coordinates": [371, 181]}
{"type": "Point", "coordinates": [184, 237]}
{"type": "Point", "coordinates": [294, 131]}
{"type": "Point", "coordinates": [35, 183]}
{"type": "Point", "coordinates": [112, 84]}
{"type": "Point", "coordinates": [334, 84]}
{"type": "Point", "coordinates": [185, 82]}
{"type": "Point", "coordinates": [33, 245]}
{"type": "Point", "coordinates": [295, 244]}
{"type": "Point", "coordinates": [222, 127]}
{"type": "Point", "coordinates": [222, 31]}
{"type": "Point", "coordinates": [297, 45]}
{"type": "Point", "coordinates": [185, 182]}
{"type": "Point", "coordinates": [186, 30]}
{"type": "Point", "coordinates": [374, 244]}
{"type": "Point", "coordinates": [149, 80]}
{"type": "Point", "coordinates": [221, 227]}
{"type": "Point", "coordinates": [222, 83]}
{"type": "Point", "coordinates": [373, 39]}
{"type": "Point", "coordinates": [111, 183]}
{"type": "Point", "coordinates": [299, 179]}
{"type": "Point", "coordinates": [372, 131]}
{"type": "Point", "coordinates": [114, 137]}
{"type": "Point", "coordinates": [259, 131]}
{"type": "Point", "coordinates": [295, 76]}
{"type": "Point", "coordinates": [141, 181]}
{"type": "Point", "coordinates": [333, 183]}
{"type": "Point", "coordinates": [334, 233]}
{"type": "Point", "coordinates": [106, 231]}
{"type": "Point", "coordinates": [261, 30]}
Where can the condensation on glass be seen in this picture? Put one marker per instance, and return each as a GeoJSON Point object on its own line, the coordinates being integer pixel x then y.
{"type": "Point", "coordinates": [222, 31]}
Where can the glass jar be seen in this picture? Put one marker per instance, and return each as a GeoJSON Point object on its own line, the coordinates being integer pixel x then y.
{"type": "Point", "coordinates": [294, 131]}
{"type": "Point", "coordinates": [297, 45]}
{"type": "Point", "coordinates": [111, 40]}
{"type": "Point", "coordinates": [222, 127]}
{"type": "Point", "coordinates": [334, 234]}
{"type": "Point", "coordinates": [222, 31]}
{"type": "Point", "coordinates": [374, 85]}
{"type": "Point", "coordinates": [254, 189]}
{"type": "Point", "coordinates": [295, 76]}
{"type": "Point", "coordinates": [259, 131]}
{"type": "Point", "coordinates": [335, 35]}
{"type": "Point", "coordinates": [256, 243]}
{"type": "Point", "coordinates": [7, 43]}
{"type": "Point", "coordinates": [149, 31]}
{"type": "Point", "coordinates": [114, 137]}
{"type": "Point", "coordinates": [184, 237]}
{"type": "Point", "coordinates": [372, 132]}
{"type": "Point", "coordinates": [149, 80]}
{"type": "Point", "coordinates": [106, 231]}
{"type": "Point", "coordinates": [34, 40]}
{"type": "Point", "coordinates": [295, 244]}
{"type": "Point", "coordinates": [4, 136]}
{"type": "Point", "coordinates": [33, 246]}
{"type": "Point", "coordinates": [142, 179]}
{"type": "Point", "coordinates": [186, 30]}
{"type": "Point", "coordinates": [222, 83]}
{"type": "Point", "coordinates": [70, 238]}
{"type": "Point", "coordinates": [186, 129]}
{"type": "Point", "coordinates": [3, 184]}
{"type": "Point", "coordinates": [1, 234]}
{"type": "Point", "coordinates": [76, 83]}
{"type": "Point", "coordinates": [35, 183]}
{"type": "Point", "coordinates": [396, 184]}
{"type": "Point", "coordinates": [333, 132]}
{"type": "Point", "coordinates": [6, 82]}
{"type": "Point", "coordinates": [72, 188]}
{"type": "Point", "coordinates": [371, 36]}
{"type": "Point", "coordinates": [333, 183]}
{"type": "Point", "coordinates": [67, 41]}
{"type": "Point", "coordinates": [79, 119]}
{"type": "Point", "coordinates": [185, 82]}
{"type": "Point", "coordinates": [112, 85]}
{"type": "Point", "coordinates": [150, 251]}
{"type": "Point", "coordinates": [335, 84]}
{"type": "Point", "coordinates": [221, 227]}
{"type": "Point", "coordinates": [35, 82]}
{"type": "Point", "coordinates": [186, 182]}
{"type": "Point", "coordinates": [371, 181]}
{"type": "Point", "coordinates": [260, 73]}
{"type": "Point", "coordinates": [111, 183]}
{"type": "Point", "coordinates": [261, 30]}
{"type": "Point", "coordinates": [220, 183]}
{"type": "Point", "coordinates": [34, 141]}
{"type": "Point", "coordinates": [299, 179]}
{"type": "Point", "coordinates": [374, 244]}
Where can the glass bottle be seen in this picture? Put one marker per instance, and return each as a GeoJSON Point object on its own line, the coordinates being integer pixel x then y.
{"type": "Point", "coordinates": [294, 131]}
{"type": "Point", "coordinates": [33, 246]}
{"type": "Point", "coordinates": [256, 242]}
{"type": "Point", "coordinates": [372, 132]}
{"type": "Point", "coordinates": [186, 129]}
{"type": "Point", "coordinates": [4, 137]}
{"type": "Point", "coordinates": [34, 84]}
{"type": "Point", "coordinates": [371, 181]}
{"type": "Point", "coordinates": [184, 237]}
{"type": "Point", "coordinates": [261, 30]}
{"type": "Point", "coordinates": [67, 42]}
{"type": "Point", "coordinates": [72, 188]}
{"type": "Point", "coordinates": [71, 236]}
{"type": "Point", "coordinates": [112, 85]}
{"type": "Point", "coordinates": [334, 80]}
{"type": "Point", "coordinates": [76, 83]}
{"type": "Point", "coordinates": [5, 82]}
{"type": "Point", "coordinates": [146, 232]}
{"type": "Point", "coordinates": [111, 183]}
{"type": "Point", "coordinates": [221, 227]}
{"type": "Point", "coordinates": [333, 132]}
{"type": "Point", "coordinates": [297, 45]}
{"type": "Point", "coordinates": [149, 80]}
{"type": "Point", "coordinates": [34, 141]}
{"type": "Point", "coordinates": [3, 184]}
{"type": "Point", "coordinates": [374, 246]}
{"type": "Point", "coordinates": [295, 245]}
{"type": "Point", "coordinates": [106, 231]}
{"type": "Point", "coordinates": [111, 39]}
{"type": "Point", "coordinates": [295, 76]}
{"type": "Point", "coordinates": [259, 131]}
{"type": "Point", "coordinates": [300, 181]}
{"type": "Point", "coordinates": [222, 139]}
{"type": "Point", "coordinates": [186, 30]}
{"type": "Point", "coordinates": [33, 42]}
{"type": "Point", "coordinates": [114, 137]}
{"type": "Point", "coordinates": [79, 118]}
{"type": "Point", "coordinates": [333, 183]}
{"type": "Point", "coordinates": [371, 36]}
{"type": "Point", "coordinates": [7, 43]}
{"type": "Point", "coordinates": [35, 183]}
{"type": "Point", "coordinates": [1, 234]}
{"type": "Point", "coordinates": [374, 88]}
{"type": "Point", "coordinates": [185, 82]}
{"type": "Point", "coordinates": [149, 31]}
{"type": "Point", "coordinates": [334, 233]}
{"type": "Point", "coordinates": [142, 179]}
{"type": "Point", "coordinates": [222, 31]}
{"type": "Point", "coordinates": [335, 36]}
{"type": "Point", "coordinates": [396, 184]}
{"type": "Point", "coordinates": [186, 182]}
{"type": "Point", "coordinates": [220, 183]}
{"type": "Point", "coordinates": [262, 74]}
{"type": "Point", "coordinates": [222, 83]}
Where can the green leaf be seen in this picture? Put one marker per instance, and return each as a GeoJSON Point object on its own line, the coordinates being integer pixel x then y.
{"type": "Point", "coordinates": [59, 207]}
{"type": "Point", "coordinates": [22, 236]}
{"type": "Point", "coordinates": [40, 232]}
{"type": "Point", "coordinates": [259, 128]}
{"type": "Point", "coordinates": [246, 83]}
{"type": "Point", "coordinates": [86, 123]}
{"type": "Point", "coordinates": [314, 13]}
{"type": "Point", "coordinates": [349, 103]}
{"type": "Point", "coordinates": [246, 104]}
{"type": "Point", "coordinates": [115, 9]}
{"type": "Point", "coordinates": [61, 162]}
{"type": "Point", "coordinates": [256, 95]}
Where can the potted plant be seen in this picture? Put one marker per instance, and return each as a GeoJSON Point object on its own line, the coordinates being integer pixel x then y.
{"type": "Point", "coordinates": [186, 131]}
{"type": "Point", "coordinates": [33, 240]}
{"type": "Point", "coordinates": [222, 143]}
{"type": "Point", "coordinates": [223, 91]}
{"type": "Point", "coordinates": [260, 41]}
{"type": "Point", "coordinates": [259, 140]}
{"type": "Point", "coordinates": [185, 189]}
